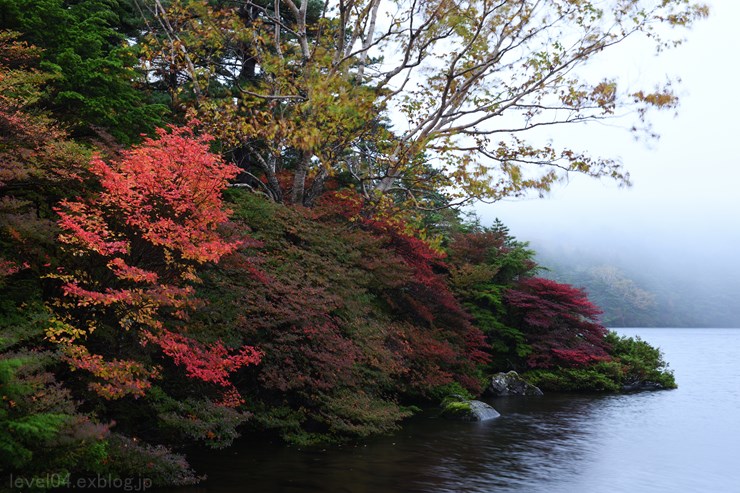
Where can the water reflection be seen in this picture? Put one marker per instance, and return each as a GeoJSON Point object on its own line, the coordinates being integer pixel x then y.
{"type": "Point", "coordinates": [536, 439]}
{"type": "Point", "coordinates": [677, 441]}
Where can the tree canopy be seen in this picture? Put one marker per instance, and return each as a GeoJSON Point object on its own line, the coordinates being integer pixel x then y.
{"type": "Point", "coordinates": [406, 97]}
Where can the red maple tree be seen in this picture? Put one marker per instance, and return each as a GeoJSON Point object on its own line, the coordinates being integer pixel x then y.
{"type": "Point", "coordinates": [559, 322]}
{"type": "Point", "coordinates": [140, 240]}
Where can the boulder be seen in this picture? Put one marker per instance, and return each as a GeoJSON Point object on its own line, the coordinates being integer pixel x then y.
{"type": "Point", "coordinates": [642, 385]}
{"type": "Point", "coordinates": [468, 410]}
{"type": "Point", "coordinates": [511, 384]}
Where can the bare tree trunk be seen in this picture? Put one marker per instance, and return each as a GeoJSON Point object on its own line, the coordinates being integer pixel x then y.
{"type": "Point", "coordinates": [299, 179]}
{"type": "Point", "coordinates": [249, 64]}
{"type": "Point", "coordinates": [368, 41]}
{"type": "Point", "coordinates": [386, 183]}
{"type": "Point", "coordinates": [300, 32]}
{"type": "Point", "coordinates": [317, 187]}
{"type": "Point", "coordinates": [268, 167]}
{"type": "Point", "coordinates": [272, 180]}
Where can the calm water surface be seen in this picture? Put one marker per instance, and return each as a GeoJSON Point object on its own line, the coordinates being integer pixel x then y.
{"type": "Point", "coordinates": [685, 440]}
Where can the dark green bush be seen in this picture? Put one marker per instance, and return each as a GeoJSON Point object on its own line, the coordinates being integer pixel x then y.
{"type": "Point", "coordinates": [601, 377]}
{"type": "Point", "coordinates": [451, 389]}
{"type": "Point", "coordinates": [640, 361]}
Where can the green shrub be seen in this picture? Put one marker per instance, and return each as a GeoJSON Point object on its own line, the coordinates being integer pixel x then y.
{"type": "Point", "coordinates": [451, 389]}
{"type": "Point", "coordinates": [601, 377]}
{"type": "Point", "coordinates": [640, 361]}
{"type": "Point", "coordinates": [41, 432]}
{"type": "Point", "coordinates": [198, 419]}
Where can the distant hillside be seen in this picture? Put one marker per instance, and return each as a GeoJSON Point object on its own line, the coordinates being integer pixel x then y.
{"type": "Point", "coordinates": [645, 293]}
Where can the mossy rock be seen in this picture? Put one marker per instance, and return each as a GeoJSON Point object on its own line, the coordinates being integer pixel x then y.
{"type": "Point", "coordinates": [506, 384]}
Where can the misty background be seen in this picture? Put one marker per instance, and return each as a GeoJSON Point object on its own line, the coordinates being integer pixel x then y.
{"type": "Point", "coordinates": [665, 251]}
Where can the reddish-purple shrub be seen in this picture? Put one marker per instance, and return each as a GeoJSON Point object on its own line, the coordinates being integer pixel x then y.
{"type": "Point", "coordinates": [559, 322]}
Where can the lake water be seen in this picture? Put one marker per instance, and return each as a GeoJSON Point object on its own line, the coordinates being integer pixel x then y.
{"type": "Point", "coordinates": [684, 440]}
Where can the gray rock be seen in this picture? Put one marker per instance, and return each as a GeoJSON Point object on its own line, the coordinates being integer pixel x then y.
{"type": "Point", "coordinates": [511, 384]}
{"type": "Point", "coordinates": [641, 386]}
{"type": "Point", "coordinates": [465, 410]}
{"type": "Point", "coordinates": [482, 411]}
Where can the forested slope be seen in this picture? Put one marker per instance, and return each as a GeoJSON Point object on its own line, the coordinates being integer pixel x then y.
{"type": "Point", "coordinates": [210, 224]}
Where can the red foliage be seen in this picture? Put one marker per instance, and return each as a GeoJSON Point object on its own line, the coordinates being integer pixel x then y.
{"type": "Point", "coordinates": [315, 358]}
{"type": "Point", "coordinates": [428, 297]}
{"type": "Point", "coordinates": [560, 323]}
{"type": "Point", "coordinates": [165, 192]}
{"type": "Point", "coordinates": [7, 268]}
{"type": "Point", "coordinates": [141, 238]}
{"type": "Point", "coordinates": [426, 356]}
{"type": "Point", "coordinates": [476, 248]}
{"type": "Point", "coordinates": [211, 364]}
{"type": "Point", "coordinates": [449, 345]}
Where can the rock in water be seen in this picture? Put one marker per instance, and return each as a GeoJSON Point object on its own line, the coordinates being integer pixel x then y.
{"type": "Point", "coordinates": [469, 411]}
{"type": "Point", "coordinates": [642, 385]}
{"type": "Point", "coordinates": [511, 384]}
{"type": "Point", "coordinates": [483, 411]}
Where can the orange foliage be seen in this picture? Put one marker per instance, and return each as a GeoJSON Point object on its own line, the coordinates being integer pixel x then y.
{"type": "Point", "coordinates": [141, 239]}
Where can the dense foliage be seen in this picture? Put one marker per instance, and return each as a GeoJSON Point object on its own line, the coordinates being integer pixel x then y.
{"type": "Point", "coordinates": [351, 324]}
{"type": "Point", "coordinates": [93, 82]}
{"type": "Point", "coordinates": [561, 324]}
{"type": "Point", "coordinates": [131, 257]}
{"type": "Point", "coordinates": [548, 330]}
{"type": "Point", "coordinates": [633, 361]}
{"type": "Point", "coordinates": [147, 307]}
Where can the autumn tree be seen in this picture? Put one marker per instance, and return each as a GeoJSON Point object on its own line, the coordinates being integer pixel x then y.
{"type": "Point", "coordinates": [134, 248]}
{"type": "Point", "coordinates": [529, 322]}
{"type": "Point", "coordinates": [355, 319]}
{"type": "Point", "coordinates": [485, 263]}
{"type": "Point", "coordinates": [44, 432]}
{"type": "Point", "coordinates": [303, 90]}
{"type": "Point", "coordinates": [559, 323]}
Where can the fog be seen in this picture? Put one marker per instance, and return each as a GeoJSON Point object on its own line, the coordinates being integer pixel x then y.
{"type": "Point", "coordinates": [678, 226]}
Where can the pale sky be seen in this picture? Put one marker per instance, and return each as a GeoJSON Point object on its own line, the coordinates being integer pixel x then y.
{"type": "Point", "coordinates": [684, 207]}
